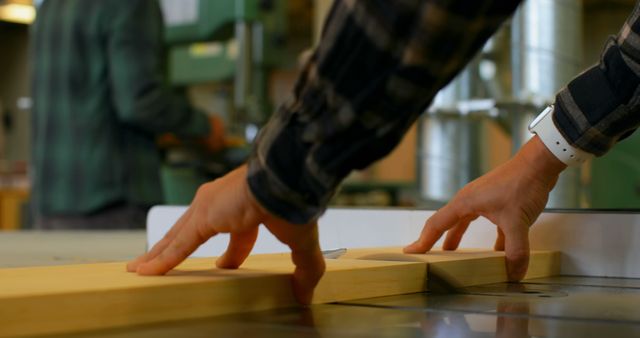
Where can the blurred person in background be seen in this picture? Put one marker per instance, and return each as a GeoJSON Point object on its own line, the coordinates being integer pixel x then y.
{"type": "Point", "coordinates": [100, 100]}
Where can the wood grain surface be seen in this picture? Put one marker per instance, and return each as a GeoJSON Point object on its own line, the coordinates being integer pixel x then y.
{"type": "Point", "coordinates": [464, 267]}
{"type": "Point", "coordinates": [74, 298]}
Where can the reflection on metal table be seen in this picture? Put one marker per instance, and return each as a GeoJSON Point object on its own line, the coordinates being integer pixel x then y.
{"type": "Point", "coordinates": [545, 307]}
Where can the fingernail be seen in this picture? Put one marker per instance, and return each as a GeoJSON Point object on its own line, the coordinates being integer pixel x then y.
{"type": "Point", "coordinates": [131, 267]}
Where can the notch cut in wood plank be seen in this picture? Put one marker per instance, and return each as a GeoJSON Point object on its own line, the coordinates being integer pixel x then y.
{"type": "Point", "coordinates": [64, 299]}
{"type": "Point", "coordinates": [464, 267]}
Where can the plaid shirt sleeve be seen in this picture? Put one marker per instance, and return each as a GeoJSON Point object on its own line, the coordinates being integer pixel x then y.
{"type": "Point", "coordinates": [141, 96]}
{"type": "Point", "coordinates": [378, 66]}
{"type": "Point", "coordinates": [601, 106]}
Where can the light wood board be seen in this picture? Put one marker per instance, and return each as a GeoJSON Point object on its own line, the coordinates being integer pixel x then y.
{"type": "Point", "coordinates": [75, 298]}
{"type": "Point", "coordinates": [92, 296]}
{"type": "Point", "coordinates": [464, 267]}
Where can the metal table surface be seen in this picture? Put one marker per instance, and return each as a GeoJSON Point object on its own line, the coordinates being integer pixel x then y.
{"type": "Point", "coordinates": [38, 248]}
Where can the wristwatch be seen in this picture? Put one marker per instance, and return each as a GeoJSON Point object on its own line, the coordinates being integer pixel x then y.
{"type": "Point", "coordinates": [549, 134]}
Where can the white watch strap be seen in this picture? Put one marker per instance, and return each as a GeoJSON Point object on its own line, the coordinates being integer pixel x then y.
{"type": "Point", "coordinates": [556, 143]}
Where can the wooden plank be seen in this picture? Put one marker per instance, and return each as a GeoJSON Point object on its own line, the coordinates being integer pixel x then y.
{"type": "Point", "coordinates": [465, 267]}
{"type": "Point", "coordinates": [76, 298]}
{"type": "Point", "coordinates": [62, 299]}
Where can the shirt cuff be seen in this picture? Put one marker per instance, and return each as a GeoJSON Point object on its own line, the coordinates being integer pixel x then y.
{"type": "Point", "coordinates": [282, 176]}
{"type": "Point", "coordinates": [596, 109]}
{"type": "Point", "coordinates": [267, 190]}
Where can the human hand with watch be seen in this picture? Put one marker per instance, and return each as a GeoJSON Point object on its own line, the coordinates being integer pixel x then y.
{"type": "Point", "coordinates": [511, 196]}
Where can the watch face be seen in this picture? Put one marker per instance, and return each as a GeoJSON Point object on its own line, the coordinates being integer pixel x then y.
{"type": "Point", "coordinates": [539, 118]}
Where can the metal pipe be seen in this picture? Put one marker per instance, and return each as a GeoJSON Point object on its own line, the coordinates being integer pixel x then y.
{"type": "Point", "coordinates": [545, 47]}
{"type": "Point", "coordinates": [546, 53]}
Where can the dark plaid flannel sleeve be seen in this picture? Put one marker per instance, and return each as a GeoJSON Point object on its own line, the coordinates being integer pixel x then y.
{"type": "Point", "coordinates": [378, 66]}
{"type": "Point", "coordinates": [601, 106]}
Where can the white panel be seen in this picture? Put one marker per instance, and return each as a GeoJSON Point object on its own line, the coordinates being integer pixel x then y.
{"type": "Point", "coordinates": [179, 12]}
{"type": "Point", "coordinates": [162, 218]}
{"type": "Point", "coordinates": [594, 244]}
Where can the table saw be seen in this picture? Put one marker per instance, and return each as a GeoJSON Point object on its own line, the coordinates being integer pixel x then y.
{"type": "Point", "coordinates": [592, 291]}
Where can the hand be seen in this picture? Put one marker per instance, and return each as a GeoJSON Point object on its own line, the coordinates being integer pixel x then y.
{"type": "Point", "coordinates": [216, 139]}
{"type": "Point", "coordinates": [511, 196]}
{"type": "Point", "coordinates": [213, 142]}
{"type": "Point", "coordinates": [227, 205]}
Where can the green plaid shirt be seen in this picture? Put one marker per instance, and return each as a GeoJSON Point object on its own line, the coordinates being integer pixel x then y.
{"type": "Point", "coordinates": [99, 100]}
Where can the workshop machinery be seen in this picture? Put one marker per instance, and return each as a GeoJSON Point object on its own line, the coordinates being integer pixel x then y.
{"type": "Point", "coordinates": [511, 80]}
{"type": "Point", "coordinates": [221, 51]}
